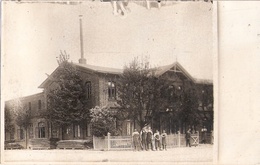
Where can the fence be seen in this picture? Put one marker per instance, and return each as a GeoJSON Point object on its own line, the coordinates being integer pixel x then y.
{"type": "Point", "coordinates": [125, 142]}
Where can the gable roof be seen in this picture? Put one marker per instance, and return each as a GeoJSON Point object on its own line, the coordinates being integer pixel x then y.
{"type": "Point", "coordinates": [100, 69]}
{"type": "Point", "coordinates": [114, 71]}
{"type": "Point", "coordinates": [177, 66]}
{"type": "Point", "coordinates": [97, 69]}
{"type": "Point", "coordinates": [163, 69]}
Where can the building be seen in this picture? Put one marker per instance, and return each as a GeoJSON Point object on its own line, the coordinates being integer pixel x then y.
{"type": "Point", "coordinates": [101, 89]}
{"type": "Point", "coordinates": [101, 84]}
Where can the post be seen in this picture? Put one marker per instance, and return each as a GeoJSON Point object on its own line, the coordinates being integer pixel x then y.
{"type": "Point", "coordinates": [94, 146]}
{"type": "Point", "coordinates": [198, 137]}
{"type": "Point", "coordinates": [108, 141]}
{"type": "Point", "coordinates": [179, 139]}
{"type": "Point", "coordinates": [148, 4]}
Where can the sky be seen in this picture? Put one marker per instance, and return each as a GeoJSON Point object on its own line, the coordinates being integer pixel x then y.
{"type": "Point", "coordinates": [35, 33]}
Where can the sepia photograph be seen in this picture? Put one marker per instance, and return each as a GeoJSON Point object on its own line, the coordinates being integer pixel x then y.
{"type": "Point", "coordinates": [108, 81]}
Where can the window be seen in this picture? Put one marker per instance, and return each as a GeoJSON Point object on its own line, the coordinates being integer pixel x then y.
{"type": "Point", "coordinates": [12, 133]}
{"type": "Point", "coordinates": [41, 130]}
{"type": "Point", "coordinates": [20, 134]}
{"type": "Point", "coordinates": [39, 104]}
{"type": "Point", "coordinates": [88, 131]}
{"type": "Point", "coordinates": [171, 93]}
{"type": "Point", "coordinates": [30, 106]}
{"type": "Point", "coordinates": [30, 131]}
{"type": "Point", "coordinates": [128, 128]}
{"type": "Point", "coordinates": [111, 90]}
{"type": "Point", "coordinates": [88, 89]}
{"type": "Point", "coordinates": [76, 131]}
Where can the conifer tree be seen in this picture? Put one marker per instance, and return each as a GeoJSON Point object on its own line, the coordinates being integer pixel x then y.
{"type": "Point", "coordinates": [66, 102]}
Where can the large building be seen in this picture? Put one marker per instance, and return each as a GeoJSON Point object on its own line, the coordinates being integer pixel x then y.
{"type": "Point", "coordinates": [101, 88]}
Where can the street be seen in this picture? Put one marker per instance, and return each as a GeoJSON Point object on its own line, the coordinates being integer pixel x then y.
{"type": "Point", "coordinates": [202, 153]}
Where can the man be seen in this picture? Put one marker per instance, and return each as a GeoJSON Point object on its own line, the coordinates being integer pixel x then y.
{"type": "Point", "coordinates": [187, 137]}
{"type": "Point", "coordinates": [164, 136]}
{"type": "Point", "coordinates": [136, 140]}
{"type": "Point", "coordinates": [203, 134]}
{"type": "Point", "coordinates": [143, 139]}
{"type": "Point", "coordinates": [157, 140]}
{"type": "Point", "coordinates": [149, 138]}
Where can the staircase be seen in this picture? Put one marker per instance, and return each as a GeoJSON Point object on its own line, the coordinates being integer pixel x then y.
{"type": "Point", "coordinates": [39, 144]}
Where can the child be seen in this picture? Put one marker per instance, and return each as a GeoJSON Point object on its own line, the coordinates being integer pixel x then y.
{"type": "Point", "coordinates": [157, 140]}
{"type": "Point", "coordinates": [164, 135]}
{"type": "Point", "coordinates": [149, 138]}
{"type": "Point", "coordinates": [136, 140]}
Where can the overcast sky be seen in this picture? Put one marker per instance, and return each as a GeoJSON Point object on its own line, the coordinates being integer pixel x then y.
{"type": "Point", "coordinates": [34, 34]}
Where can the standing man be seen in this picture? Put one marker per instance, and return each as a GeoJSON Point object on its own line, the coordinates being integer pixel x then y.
{"type": "Point", "coordinates": [149, 138]}
{"type": "Point", "coordinates": [136, 140]}
{"type": "Point", "coordinates": [203, 134]}
{"type": "Point", "coordinates": [143, 139]}
{"type": "Point", "coordinates": [187, 137]}
{"type": "Point", "coordinates": [157, 140]}
{"type": "Point", "coordinates": [164, 136]}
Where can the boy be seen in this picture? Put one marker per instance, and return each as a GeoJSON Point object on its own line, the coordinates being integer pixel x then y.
{"type": "Point", "coordinates": [157, 140]}
{"type": "Point", "coordinates": [149, 138]}
{"type": "Point", "coordinates": [164, 135]}
{"type": "Point", "coordinates": [136, 139]}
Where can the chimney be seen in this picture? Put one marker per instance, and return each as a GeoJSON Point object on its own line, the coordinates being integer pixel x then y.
{"type": "Point", "coordinates": [82, 60]}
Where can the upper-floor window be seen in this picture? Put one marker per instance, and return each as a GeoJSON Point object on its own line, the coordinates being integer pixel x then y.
{"type": "Point", "coordinates": [39, 104]}
{"type": "Point", "coordinates": [88, 89]}
{"type": "Point", "coordinates": [30, 106]}
{"type": "Point", "coordinates": [171, 92]}
{"type": "Point", "coordinates": [111, 90]}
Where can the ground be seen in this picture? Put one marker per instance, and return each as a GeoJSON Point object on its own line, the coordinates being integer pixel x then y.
{"type": "Point", "coordinates": [186, 155]}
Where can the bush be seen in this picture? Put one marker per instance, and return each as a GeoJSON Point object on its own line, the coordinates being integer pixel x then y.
{"type": "Point", "coordinates": [103, 121]}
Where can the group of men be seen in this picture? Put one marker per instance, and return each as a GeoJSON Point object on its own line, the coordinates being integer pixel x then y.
{"type": "Point", "coordinates": [146, 140]}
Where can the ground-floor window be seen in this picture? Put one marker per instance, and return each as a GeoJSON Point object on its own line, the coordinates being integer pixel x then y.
{"type": "Point", "coordinates": [76, 130]}
{"type": "Point", "coordinates": [20, 134]}
{"type": "Point", "coordinates": [30, 131]}
{"type": "Point", "coordinates": [128, 128]}
{"type": "Point", "coordinates": [12, 133]}
{"type": "Point", "coordinates": [41, 132]}
{"type": "Point", "coordinates": [88, 131]}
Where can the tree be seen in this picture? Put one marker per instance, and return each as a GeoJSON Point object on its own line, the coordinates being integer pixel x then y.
{"type": "Point", "coordinates": [8, 119]}
{"type": "Point", "coordinates": [22, 119]}
{"type": "Point", "coordinates": [103, 120]}
{"type": "Point", "coordinates": [66, 102]}
{"type": "Point", "coordinates": [141, 92]}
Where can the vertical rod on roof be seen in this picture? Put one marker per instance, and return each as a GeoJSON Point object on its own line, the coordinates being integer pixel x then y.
{"type": "Point", "coordinates": [82, 60]}
{"type": "Point", "coordinates": [81, 38]}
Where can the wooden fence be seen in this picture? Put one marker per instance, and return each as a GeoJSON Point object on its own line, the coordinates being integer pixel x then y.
{"type": "Point", "coordinates": [125, 142]}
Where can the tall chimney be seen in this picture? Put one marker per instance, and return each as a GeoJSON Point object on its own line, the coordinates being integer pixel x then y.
{"type": "Point", "coordinates": [82, 60]}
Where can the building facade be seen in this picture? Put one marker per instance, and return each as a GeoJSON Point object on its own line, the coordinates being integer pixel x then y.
{"type": "Point", "coordinates": [101, 90]}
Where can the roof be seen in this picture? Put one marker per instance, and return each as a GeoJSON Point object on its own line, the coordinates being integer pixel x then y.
{"type": "Point", "coordinates": [41, 94]}
{"type": "Point", "coordinates": [160, 71]}
{"type": "Point", "coordinates": [100, 69]}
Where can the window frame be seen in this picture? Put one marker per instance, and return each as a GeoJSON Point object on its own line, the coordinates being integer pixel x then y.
{"type": "Point", "coordinates": [88, 90]}
{"type": "Point", "coordinates": [39, 104]}
{"type": "Point", "coordinates": [111, 90]}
